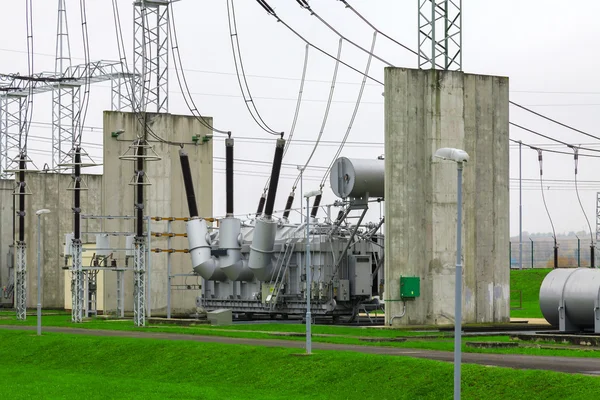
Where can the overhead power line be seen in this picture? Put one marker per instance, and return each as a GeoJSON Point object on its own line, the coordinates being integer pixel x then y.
{"type": "Point", "coordinates": [553, 139]}
{"type": "Point", "coordinates": [551, 151]}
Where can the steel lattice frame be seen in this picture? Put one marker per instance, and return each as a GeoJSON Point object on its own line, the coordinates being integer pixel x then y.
{"type": "Point", "coordinates": [21, 281]}
{"type": "Point", "coordinates": [440, 34]}
{"type": "Point", "coordinates": [151, 55]}
{"type": "Point", "coordinates": [12, 114]}
{"type": "Point", "coordinates": [77, 283]}
{"type": "Point", "coordinates": [139, 282]}
{"type": "Point", "coordinates": [65, 106]}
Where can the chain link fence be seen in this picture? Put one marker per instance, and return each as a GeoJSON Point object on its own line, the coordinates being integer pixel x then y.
{"type": "Point", "coordinates": [539, 253]}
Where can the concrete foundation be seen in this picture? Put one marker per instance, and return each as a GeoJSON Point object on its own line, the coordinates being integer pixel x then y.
{"type": "Point", "coordinates": [426, 110]}
{"type": "Point", "coordinates": [164, 198]}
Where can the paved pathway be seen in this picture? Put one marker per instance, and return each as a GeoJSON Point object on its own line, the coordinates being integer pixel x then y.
{"type": "Point", "coordinates": [561, 364]}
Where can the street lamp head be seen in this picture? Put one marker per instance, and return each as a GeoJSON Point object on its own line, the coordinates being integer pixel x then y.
{"type": "Point", "coordinates": [448, 153]}
{"type": "Point", "coordinates": [313, 193]}
{"type": "Point", "coordinates": [42, 211]}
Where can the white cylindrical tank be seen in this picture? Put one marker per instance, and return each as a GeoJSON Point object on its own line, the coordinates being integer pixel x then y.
{"type": "Point", "coordinates": [102, 245]}
{"type": "Point", "coordinates": [229, 239]}
{"type": "Point", "coordinates": [357, 178]}
{"type": "Point", "coordinates": [580, 289]}
{"type": "Point", "coordinates": [202, 261]}
{"type": "Point", "coordinates": [261, 249]}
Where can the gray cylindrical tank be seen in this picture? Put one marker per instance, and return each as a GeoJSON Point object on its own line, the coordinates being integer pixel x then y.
{"type": "Point", "coordinates": [580, 288]}
{"type": "Point", "coordinates": [261, 249]}
{"type": "Point", "coordinates": [357, 178]}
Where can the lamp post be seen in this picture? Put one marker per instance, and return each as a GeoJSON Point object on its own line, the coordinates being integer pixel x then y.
{"type": "Point", "coordinates": [459, 157]}
{"type": "Point", "coordinates": [301, 169]}
{"type": "Point", "coordinates": [308, 281]}
{"type": "Point", "coordinates": [39, 271]}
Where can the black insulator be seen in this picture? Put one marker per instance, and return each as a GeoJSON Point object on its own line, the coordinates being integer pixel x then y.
{"type": "Point", "coordinates": [77, 196]}
{"type": "Point", "coordinates": [229, 176]}
{"type": "Point", "coordinates": [188, 183]}
{"type": "Point", "coordinates": [22, 198]}
{"type": "Point", "coordinates": [288, 206]}
{"type": "Point", "coordinates": [340, 216]}
{"type": "Point", "coordinates": [315, 207]}
{"type": "Point", "coordinates": [274, 177]}
{"type": "Point", "coordinates": [592, 262]}
{"type": "Point", "coordinates": [555, 256]}
{"type": "Point", "coordinates": [140, 189]}
{"type": "Point", "coordinates": [261, 205]}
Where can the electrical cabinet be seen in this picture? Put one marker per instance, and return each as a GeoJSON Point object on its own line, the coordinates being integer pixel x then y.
{"type": "Point", "coordinates": [343, 290]}
{"type": "Point", "coordinates": [410, 287]}
{"type": "Point", "coordinates": [359, 268]}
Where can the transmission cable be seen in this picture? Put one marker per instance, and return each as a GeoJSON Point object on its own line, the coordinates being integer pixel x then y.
{"type": "Point", "coordinates": [25, 124]}
{"type": "Point", "coordinates": [553, 139]}
{"type": "Point", "coordinates": [576, 159]}
{"type": "Point", "coordinates": [304, 4]}
{"type": "Point", "coordinates": [358, 100]}
{"type": "Point", "coordinates": [82, 112]}
{"type": "Point", "coordinates": [532, 147]}
{"type": "Point", "coordinates": [272, 12]}
{"type": "Point", "coordinates": [295, 120]}
{"type": "Point", "coordinates": [182, 80]}
{"type": "Point", "coordinates": [325, 115]}
{"type": "Point", "coordinates": [544, 197]}
{"type": "Point", "coordinates": [239, 68]}
{"type": "Point", "coordinates": [554, 121]}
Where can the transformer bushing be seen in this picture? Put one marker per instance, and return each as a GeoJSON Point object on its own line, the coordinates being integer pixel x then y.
{"type": "Point", "coordinates": [139, 282]}
{"type": "Point", "coordinates": [21, 282]}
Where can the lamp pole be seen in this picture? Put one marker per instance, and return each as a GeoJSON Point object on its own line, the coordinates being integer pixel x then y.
{"type": "Point", "coordinates": [308, 282]}
{"type": "Point", "coordinates": [459, 156]}
{"type": "Point", "coordinates": [39, 271]}
{"type": "Point", "coordinates": [301, 169]}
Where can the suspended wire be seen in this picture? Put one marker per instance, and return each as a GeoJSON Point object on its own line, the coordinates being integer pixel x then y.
{"type": "Point", "coordinates": [25, 124]}
{"type": "Point", "coordinates": [544, 197]}
{"type": "Point", "coordinates": [304, 4]}
{"type": "Point", "coordinates": [83, 109]}
{"type": "Point", "coordinates": [533, 147]}
{"type": "Point", "coordinates": [182, 80]}
{"type": "Point", "coordinates": [553, 120]}
{"type": "Point", "coordinates": [239, 67]}
{"type": "Point", "coordinates": [348, 6]}
{"type": "Point", "coordinates": [325, 116]}
{"type": "Point", "coordinates": [298, 103]}
{"type": "Point", "coordinates": [576, 158]}
{"type": "Point", "coordinates": [271, 12]}
{"type": "Point", "coordinates": [358, 100]}
{"type": "Point", "coordinates": [553, 139]}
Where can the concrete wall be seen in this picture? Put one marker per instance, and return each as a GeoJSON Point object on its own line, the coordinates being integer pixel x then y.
{"type": "Point", "coordinates": [164, 198]}
{"type": "Point", "coordinates": [426, 110]}
{"type": "Point", "coordinates": [7, 186]}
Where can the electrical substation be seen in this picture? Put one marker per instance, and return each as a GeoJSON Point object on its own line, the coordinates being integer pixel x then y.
{"type": "Point", "coordinates": [141, 240]}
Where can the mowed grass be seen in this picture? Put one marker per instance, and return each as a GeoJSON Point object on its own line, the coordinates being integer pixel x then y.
{"type": "Point", "coordinates": [78, 366]}
{"type": "Point", "coordinates": [529, 282]}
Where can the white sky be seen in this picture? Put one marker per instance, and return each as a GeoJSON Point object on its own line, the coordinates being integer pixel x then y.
{"type": "Point", "coordinates": [542, 45]}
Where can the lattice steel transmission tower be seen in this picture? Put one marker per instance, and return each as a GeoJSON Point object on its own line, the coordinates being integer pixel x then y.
{"type": "Point", "coordinates": [597, 217]}
{"type": "Point", "coordinates": [440, 34]}
{"type": "Point", "coordinates": [151, 55]}
{"type": "Point", "coordinates": [13, 107]}
{"type": "Point", "coordinates": [65, 96]}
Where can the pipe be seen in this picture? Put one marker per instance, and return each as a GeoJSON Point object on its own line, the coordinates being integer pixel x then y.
{"type": "Point", "coordinates": [288, 206]}
{"type": "Point", "coordinates": [399, 315]}
{"type": "Point", "coordinates": [261, 205]}
{"type": "Point", "coordinates": [229, 176]}
{"type": "Point", "coordinates": [77, 196]}
{"type": "Point", "coordinates": [188, 183]}
{"type": "Point", "coordinates": [274, 182]}
{"type": "Point", "coordinates": [315, 207]}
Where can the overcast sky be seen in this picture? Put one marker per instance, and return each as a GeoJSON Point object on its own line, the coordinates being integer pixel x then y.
{"type": "Point", "coordinates": [545, 47]}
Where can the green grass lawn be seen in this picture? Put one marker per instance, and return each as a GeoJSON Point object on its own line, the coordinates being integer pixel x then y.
{"type": "Point", "coordinates": [75, 366]}
{"type": "Point", "coordinates": [529, 282]}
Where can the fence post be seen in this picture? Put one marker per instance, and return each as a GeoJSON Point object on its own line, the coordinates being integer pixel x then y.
{"type": "Point", "coordinates": [531, 240]}
{"type": "Point", "coordinates": [510, 255]}
{"type": "Point", "coordinates": [578, 252]}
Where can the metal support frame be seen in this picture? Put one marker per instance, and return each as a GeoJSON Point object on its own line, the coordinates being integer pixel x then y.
{"type": "Point", "coordinates": [597, 216]}
{"type": "Point", "coordinates": [12, 114]}
{"type": "Point", "coordinates": [65, 107]}
{"type": "Point", "coordinates": [440, 34]}
{"type": "Point", "coordinates": [151, 55]}
{"type": "Point", "coordinates": [77, 282]}
{"type": "Point", "coordinates": [21, 281]}
{"type": "Point", "coordinates": [139, 282]}
{"type": "Point", "coordinates": [91, 292]}
{"type": "Point", "coordinates": [169, 227]}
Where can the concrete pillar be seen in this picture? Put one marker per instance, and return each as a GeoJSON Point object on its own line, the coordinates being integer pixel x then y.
{"type": "Point", "coordinates": [426, 110]}
{"type": "Point", "coordinates": [164, 198]}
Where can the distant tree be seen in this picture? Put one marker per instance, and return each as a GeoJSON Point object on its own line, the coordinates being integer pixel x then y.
{"type": "Point", "coordinates": [563, 262]}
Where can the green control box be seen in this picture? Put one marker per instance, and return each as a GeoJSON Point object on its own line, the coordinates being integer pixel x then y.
{"type": "Point", "coordinates": [410, 287]}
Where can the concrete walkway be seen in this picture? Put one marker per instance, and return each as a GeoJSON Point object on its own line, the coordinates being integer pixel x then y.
{"type": "Point", "coordinates": [576, 365]}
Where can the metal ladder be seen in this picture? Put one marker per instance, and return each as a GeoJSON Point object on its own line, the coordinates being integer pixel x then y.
{"type": "Point", "coordinates": [282, 270]}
